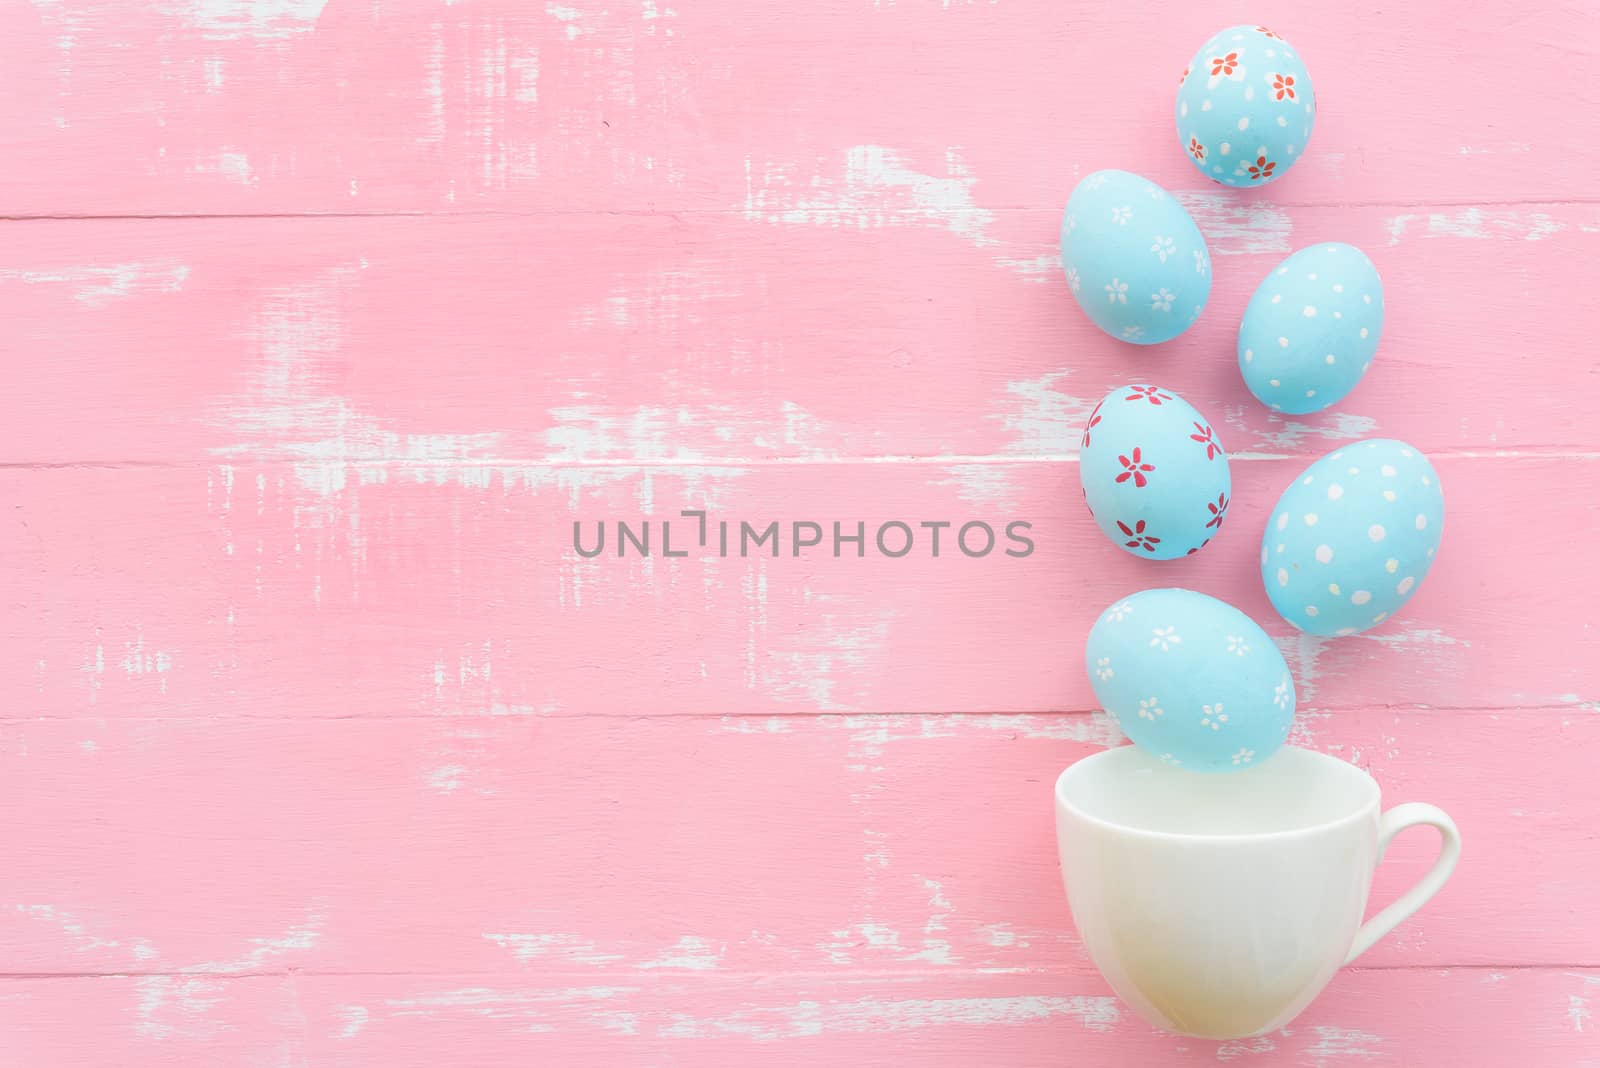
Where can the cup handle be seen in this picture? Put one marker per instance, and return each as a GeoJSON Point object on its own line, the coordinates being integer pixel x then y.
{"type": "Point", "coordinates": [1397, 819]}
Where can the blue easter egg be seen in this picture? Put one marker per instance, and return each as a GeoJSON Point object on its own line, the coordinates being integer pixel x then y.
{"type": "Point", "coordinates": [1245, 107]}
{"type": "Point", "coordinates": [1311, 329]}
{"type": "Point", "coordinates": [1353, 537]}
{"type": "Point", "coordinates": [1155, 476]}
{"type": "Point", "coordinates": [1135, 260]}
{"type": "Point", "coordinates": [1191, 679]}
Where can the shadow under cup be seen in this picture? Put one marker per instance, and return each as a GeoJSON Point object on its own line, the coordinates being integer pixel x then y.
{"type": "Point", "coordinates": [1217, 906]}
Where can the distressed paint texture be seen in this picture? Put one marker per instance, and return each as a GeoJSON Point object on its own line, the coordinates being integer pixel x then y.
{"type": "Point", "coordinates": [324, 322]}
{"type": "Point", "coordinates": [305, 339]}
{"type": "Point", "coordinates": [840, 853]}
{"type": "Point", "coordinates": [838, 112]}
{"type": "Point", "coordinates": [330, 587]}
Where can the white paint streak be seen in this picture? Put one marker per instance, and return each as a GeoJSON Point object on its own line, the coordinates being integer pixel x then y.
{"type": "Point", "coordinates": [807, 1019]}
{"type": "Point", "coordinates": [136, 661]}
{"type": "Point", "coordinates": [935, 948]}
{"type": "Point", "coordinates": [1416, 636]}
{"type": "Point", "coordinates": [501, 1004]}
{"type": "Point", "coordinates": [1578, 1012]}
{"type": "Point", "coordinates": [747, 725]}
{"type": "Point", "coordinates": [877, 189]}
{"type": "Point", "coordinates": [1290, 433]}
{"type": "Point", "coordinates": [525, 70]}
{"type": "Point", "coordinates": [232, 164]}
{"type": "Point", "coordinates": [1003, 936]}
{"type": "Point", "coordinates": [297, 939]}
{"type": "Point", "coordinates": [877, 854]}
{"type": "Point", "coordinates": [74, 927]}
{"type": "Point", "coordinates": [286, 413]}
{"type": "Point", "coordinates": [1508, 148]}
{"type": "Point", "coordinates": [1040, 269]}
{"type": "Point", "coordinates": [70, 24]}
{"type": "Point", "coordinates": [1578, 1004]}
{"type": "Point", "coordinates": [1302, 651]}
{"type": "Point", "coordinates": [433, 87]}
{"type": "Point", "coordinates": [171, 1006]}
{"type": "Point", "coordinates": [1093, 729]}
{"type": "Point", "coordinates": [94, 666]}
{"type": "Point", "coordinates": [1247, 1047]}
{"type": "Point", "coordinates": [565, 948]}
{"type": "Point", "coordinates": [803, 666]}
{"type": "Point", "coordinates": [689, 953]}
{"type": "Point", "coordinates": [354, 1019]}
{"type": "Point", "coordinates": [471, 690]}
{"type": "Point", "coordinates": [655, 434]}
{"type": "Point", "coordinates": [980, 484]}
{"type": "Point", "coordinates": [1341, 1042]}
{"type": "Point", "coordinates": [1476, 223]}
{"type": "Point", "coordinates": [1050, 421]}
{"type": "Point", "coordinates": [446, 778]}
{"type": "Point", "coordinates": [869, 934]}
{"type": "Point", "coordinates": [568, 16]}
{"type": "Point", "coordinates": [1237, 227]}
{"type": "Point", "coordinates": [96, 286]}
{"type": "Point", "coordinates": [260, 19]}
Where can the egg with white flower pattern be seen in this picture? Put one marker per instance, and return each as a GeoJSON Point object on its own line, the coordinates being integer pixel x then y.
{"type": "Point", "coordinates": [1191, 679]}
{"type": "Point", "coordinates": [1353, 537]}
{"type": "Point", "coordinates": [1155, 476]}
{"type": "Point", "coordinates": [1312, 328]}
{"type": "Point", "coordinates": [1245, 107]}
{"type": "Point", "coordinates": [1135, 261]}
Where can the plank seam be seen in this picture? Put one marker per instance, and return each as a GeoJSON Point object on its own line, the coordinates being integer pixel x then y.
{"type": "Point", "coordinates": [851, 977]}
{"type": "Point", "coordinates": [730, 212]}
{"type": "Point", "coordinates": [1580, 707]}
{"type": "Point", "coordinates": [1535, 452]}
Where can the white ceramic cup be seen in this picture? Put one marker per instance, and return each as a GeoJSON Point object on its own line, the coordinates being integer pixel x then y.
{"type": "Point", "coordinates": [1219, 906]}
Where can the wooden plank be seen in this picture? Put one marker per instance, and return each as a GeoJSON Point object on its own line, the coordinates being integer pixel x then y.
{"type": "Point", "coordinates": [716, 339]}
{"type": "Point", "coordinates": [340, 588]}
{"type": "Point", "coordinates": [1411, 1017]}
{"type": "Point", "coordinates": [827, 109]}
{"type": "Point", "coordinates": [597, 850]}
{"type": "Point", "coordinates": [320, 745]}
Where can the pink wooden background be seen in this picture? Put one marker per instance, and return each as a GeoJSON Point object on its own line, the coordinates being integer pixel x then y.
{"type": "Point", "coordinates": [321, 323]}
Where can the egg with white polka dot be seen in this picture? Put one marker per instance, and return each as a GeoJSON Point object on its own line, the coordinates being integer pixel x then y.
{"type": "Point", "coordinates": [1191, 680]}
{"type": "Point", "coordinates": [1352, 538]}
{"type": "Point", "coordinates": [1245, 107]}
{"type": "Point", "coordinates": [1135, 261]}
{"type": "Point", "coordinates": [1311, 329]}
{"type": "Point", "coordinates": [1154, 473]}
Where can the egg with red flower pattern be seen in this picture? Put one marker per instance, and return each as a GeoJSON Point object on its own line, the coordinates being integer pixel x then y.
{"type": "Point", "coordinates": [1245, 107]}
{"type": "Point", "coordinates": [1155, 476]}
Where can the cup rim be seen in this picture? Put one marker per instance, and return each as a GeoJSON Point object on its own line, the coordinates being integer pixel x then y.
{"type": "Point", "coordinates": [1365, 811]}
